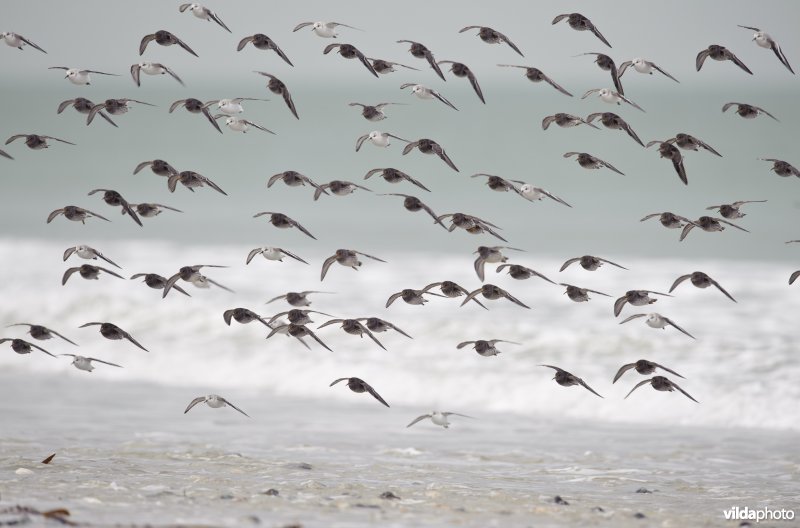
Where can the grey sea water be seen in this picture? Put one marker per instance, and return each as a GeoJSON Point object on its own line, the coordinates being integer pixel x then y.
{"type": "Point", "coordinates": [126, 454]}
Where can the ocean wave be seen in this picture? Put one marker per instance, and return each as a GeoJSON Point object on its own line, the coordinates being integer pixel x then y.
{"type": "Point", "coordinates": [743, 367]}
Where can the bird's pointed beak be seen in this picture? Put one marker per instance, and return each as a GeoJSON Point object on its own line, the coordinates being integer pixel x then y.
{"type": "Point", "coordinates": [67, 75]}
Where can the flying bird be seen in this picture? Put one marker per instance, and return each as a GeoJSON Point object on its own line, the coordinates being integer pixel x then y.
{"type": "Point", "coordinates": [15, 40]}
{"type": "Point", "coordinates": [82, 106]}
{"type": "Point", "coordinates": [485, 348]}
{"type": "Point", "coordinates": [237, 124]}
{"type": "Point", "coordinates": [536, 75]}
{"type": "Point", "coordinates": [85, 363]}
{"type": "Point", "coordinates": [360, 386]}
{"type": "Point", "coordinates": [113, 107]}
{"type": "Point", "coordinates": [669, 220]}
{"type": "Point", "coordinates": [243, 316]}
{"type": "Point", "coordinates": [298, 332]}
{"type": "Point", "coordinates": [521, 272]}
{"type": "Point", "coordinates": [277, 87]}
{"type": "Point", "coordinates": [700, 280]}
{"type": "Point", "coordinates": [421, 52]}
{"type": "Point", "coordinates": [462, 70]}
{"type": "Point", "coordinates": [74, 213]}
{"type": "Point", "coordinates": [296, 316]}
{"type": "Point", "coordinates": [20, 346]}
{"type": "Point", "coordinates": [231, 106]}
{"type": "Point", "coordinates": [763, 40]}
{"type": "Point", "coordinates": [338, 188]}
{"type": "Point", "coordinates": [606, 63]}
{"type": "Point", "coordinates": [204, 13]}
{"type": "Point", "coordinates": [429, 146]}
{"type": "Point", "coordinates": [410, 296]}
{"type": "Point", "coordinates": [748, 111]}
{"type": "Point", "coordinates": [114, 333]}
{"type": "Point", "coordinates": [587, 161]}
{"type": "Point", "coordinates": [88, 253]}
{"type": "Point", "coordinates": [151, 68]}
{"type": "Point", "coordinates": [719, 53]}
{"type": "Point", "coordinates": [491, 255]}
{"type": "Point", "coordinates": [192, 180]}
{"type": "Point", "coordinates": [578, 22]}
{"type": "Point", "coordinates": [377, 138]}
{"type": "Point", "coordinates": [281, 221]}
{"type": "Point", "coordinates": [438, 418]}
{"type": "Point", "coordinates": [611, 97]}
{"type": "Point", "coordinates": [150, 210]}
{"type": "Point", "coordinates": [377, 325]}
{"type": "Point", "coordinates": [669, 151]}
{"type": "Point", "coordinates": [636, 298]}
{"type": "Point", "coordinates": [157, 282]}
{"type": "Point", "coordinates": [471, 224]}
{"type": "Point", "coordinates": [263, 42]}
{"type": "Point", "coordinates": [578, 294]}
{"type": "Point", "coordinates": [612, 121]}
{"type": "Point", "coordinates": [88, 272]}
{"type": "Point", "coordinates": [115, 199]}
{"type": "Point", "coordinates": [491, 36]}
{"type": "Point", "coordinates": [373, 113]}
{"type": "Point", "coordinates": [35, 141]}
{"type": "Point", "coordinates": [272, 253]}
{"type": "Point", "coordinates": [425, 93]}
{"type": "Point", "coordinates": [414, 204]}
{"type": "Point", "coordinates": [589, 263]}
{"type": "Point", "coordinates": [782, 168]}
{"type": "Point", "coordinates": [42, 333]}
{"type": "Point", "coordinates": [299, 299]}
{"type": "Point", "coordinates": [643, 367]}
{"type": "Point", "coordinates": [492, 293]}
{"type": "Point", "coordinates": [163, 38]}
{"type": "Point", "coordinates": [731, 210]}
{"type": "Point", "coordinates": [496, 183]}
{"type": "Point", "coordinates": [193, 106]}
{"type": "Point", "coordinates": [392, 175]}
{"type": "Point", "coordinates": [385, 67]}
{"type": "Point", "coordinates": [566, 379]}
{"type": "Point", "coordinates": [660, 383]}
{"type": "Point", "coordinates": [643, 66]}
{"type": "Point", "coordinates": [688, 142]}
{"type": "Point", "coordinates": [353, 327]}
{"type": "Point", "coordinates": [452, 290]}
{"type": "Point", "coordinates": [347, 258]}
{"type": "Point", "coordinates": [192, 275]}
{"type": "Point", "coordinates": [655, 320]}
{"type": "Point", "coordinates": [323, 29]}
{"type": "Point", "coordinates": [213, 401]}
{"type": "Point", "coordinates": [564, 121]}
{"type": "Point", "coordinates": [80, 76]}
{"type": "Point", "coordinates": [292, 179]}
{"type": "Point", "coordinates": [348, 51]}
{"type": "Point", "coordinates": [708, 224]}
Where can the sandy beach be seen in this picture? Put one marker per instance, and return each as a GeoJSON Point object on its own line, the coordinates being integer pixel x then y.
{"type": "Point", "coordinates": [126, 455]}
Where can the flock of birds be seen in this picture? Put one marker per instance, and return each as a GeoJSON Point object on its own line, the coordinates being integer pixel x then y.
{"type": "Point", "coordinates": [297, 318]}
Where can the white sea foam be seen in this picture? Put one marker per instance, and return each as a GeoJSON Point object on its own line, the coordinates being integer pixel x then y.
{"type": "Point", "coordinates": [742, 368]}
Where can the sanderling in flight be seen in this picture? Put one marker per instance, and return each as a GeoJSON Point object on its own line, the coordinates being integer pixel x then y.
{"type": "Point", "coordinates": [204, 13]}
{"type": "Point", "coordinates": [655, 320]}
